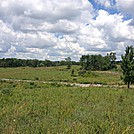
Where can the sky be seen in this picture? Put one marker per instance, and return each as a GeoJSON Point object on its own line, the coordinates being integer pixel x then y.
{"type": "Point", "coordinates": [56, 29]}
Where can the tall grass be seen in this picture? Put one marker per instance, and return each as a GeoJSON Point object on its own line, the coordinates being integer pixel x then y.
{"type": "Point", "coordinates": [35, 108]}
{"type": "Point", "coordinates": [61, 74]}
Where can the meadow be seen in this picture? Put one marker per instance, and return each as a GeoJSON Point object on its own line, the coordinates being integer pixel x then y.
{"type": "Point", "coordinates": [53, 108]}
{"type": "Point", "coordinates": [61, 74]}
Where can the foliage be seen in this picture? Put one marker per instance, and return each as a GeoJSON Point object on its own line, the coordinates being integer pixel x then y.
{"type": "Point", "coordinates": [73, 73]}
{"type": "Point", "coordinates": [68, 61]}
{"type": "Point", "coordinates": [128, 65]}
{"type": "Point", "coordinates": [88, 62]}
{"type": "Point", "coordinates": [112, 57]}
{"type": "Point", "coordinates": [13, 62]}
{"type": "Point", "coordinates": [98, 62]}
{"type": "Point", "coordinates": [81, 72]}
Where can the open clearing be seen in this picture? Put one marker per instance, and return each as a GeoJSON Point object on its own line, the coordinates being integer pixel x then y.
{"type": "Point", "coordinates": [61, 74]}
{"type": "Point", "coordinates": [43, 101]}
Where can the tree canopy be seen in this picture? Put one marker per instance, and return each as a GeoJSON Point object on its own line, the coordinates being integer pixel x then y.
{"type": "Point", "coordinates": [13, 62]}
{"type": "Point", "coordinates": [98, 62]}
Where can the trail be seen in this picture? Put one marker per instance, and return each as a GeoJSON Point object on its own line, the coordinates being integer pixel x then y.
{"type": "Point", "coordinates": [66, 83]}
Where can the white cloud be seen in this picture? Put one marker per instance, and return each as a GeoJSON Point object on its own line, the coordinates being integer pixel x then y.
{"type": "Point", "coordinates": [57, 29]}
{"type": "Point", "coordinates": [36, 25]}
{"type": "Point", "coordinates": [118, 32]}
{"type": "Point", "coordinates": [126, 6]}
{"type": "Point", "coordinates": [91, 38]}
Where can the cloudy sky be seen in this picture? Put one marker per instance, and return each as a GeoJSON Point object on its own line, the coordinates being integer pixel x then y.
{"type": "Point", "coordinates": [55, 29]}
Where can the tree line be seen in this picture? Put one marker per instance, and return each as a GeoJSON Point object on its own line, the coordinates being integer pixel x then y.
{"type": "Point", "coordinates": [14, 62]}
{"type": "Point", "coordinates": [87, 62]}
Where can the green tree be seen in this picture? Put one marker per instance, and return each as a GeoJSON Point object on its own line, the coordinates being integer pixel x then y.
{"type": "Point", "coordinates": [128, 65]}
{"type": "Point", "coordinates": [95, 62]}
{"type": "Point", "coordinates": [106, 64]}
{"type": "Point", "coordinates": [112, 58]}
{"type": "Point", "coordinates": [69, 63]}
{"type": "Point", "coordinates": [85, 61]}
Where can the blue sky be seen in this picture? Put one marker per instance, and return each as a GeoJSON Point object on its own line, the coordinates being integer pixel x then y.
{"type": "Point", "coordinates": [98, 6]}
{"type": "Point", "coordinates": [112, 10]}
{"type": "Point", "coordinates": [44, 29]}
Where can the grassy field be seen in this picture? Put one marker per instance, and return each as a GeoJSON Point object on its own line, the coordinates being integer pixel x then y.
{"type": "Point", "coordinates": [52, 108]}
{"type": "Point", "coordinates": [61, 74]}
{"type": "Point", "coordinates": [35, 108]}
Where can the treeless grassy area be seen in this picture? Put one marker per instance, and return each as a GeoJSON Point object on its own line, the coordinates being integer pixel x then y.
{"type": "Point", "coordinates": [36, 108]}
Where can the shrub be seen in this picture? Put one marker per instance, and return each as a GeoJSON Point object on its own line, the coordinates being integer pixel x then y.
{"type": "Point", "coordinates": [74, 75]}
{"type": "Point", "coordinates": [36, 78]}
{"type": "Point", "coordinates": [64, 80]}
{"type": "Point", "coordinates": [7, 91]}
{"type": "Point", "coordinates": [81, 72]}
{"type": "Point", "coordinates": [31, 83]}
{"type": "Point", "coordinates": [74, 79]}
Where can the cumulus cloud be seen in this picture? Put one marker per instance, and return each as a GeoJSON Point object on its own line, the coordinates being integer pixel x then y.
{"type": "Point", "coordinates": [114, 29]}
{"type": "Point", "coordinates": [38, 26]}
{"type": "Point", "coordinates": [114, 26]}
{"type": "Point", "coordinates": [45, 29]}
{"type": "Point", "coordinates": [126, 6]}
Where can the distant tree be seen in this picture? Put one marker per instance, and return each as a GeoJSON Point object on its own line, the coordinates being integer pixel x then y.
{"type": "Point", "coordinates": [128, 65]}
{"type": "Point", "coordinates": [84, 62]}
{"type": "Point", "coordinates": [112, 58]}
{"type": "Point", "coordinates": [48, 63]}
{"type": "Point", "coordinates": [13, 62]}
{"type": "Point", "coordinates": [96, 62]}
{"type": "Point", "coordinates": [69, 63]}
{"type": "Point", "coordinates": [34, 63]}
{"type": "Point", "coordinates": [106, 64]}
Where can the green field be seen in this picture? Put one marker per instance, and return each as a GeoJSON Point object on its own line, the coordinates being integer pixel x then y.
{"type": "Point", "coordinates": [61, 74]}
{"type": "Point", "coordinates": [53, 108]}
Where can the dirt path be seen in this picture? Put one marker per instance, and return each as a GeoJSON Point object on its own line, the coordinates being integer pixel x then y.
{"type": "Point", "coordinates": [65, 83]}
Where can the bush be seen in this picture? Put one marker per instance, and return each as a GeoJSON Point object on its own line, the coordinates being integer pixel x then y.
{"type": "Point", "coordinates": [36, 78]}
{"type": "Point", "coordinates": [7, 91]}
{"type": "Point", "coordinates": [64, 80]}
{"type": "Point", "coordinates": [31, 83]}
{"type": "Point", "coordinates": [74, 75]}
{"type": "Point", "coordinates": [68, 66]}
{"type": "Point", "coordinates": [74, 79]}
{"type": "Point", "coordinates": [81, 72]}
